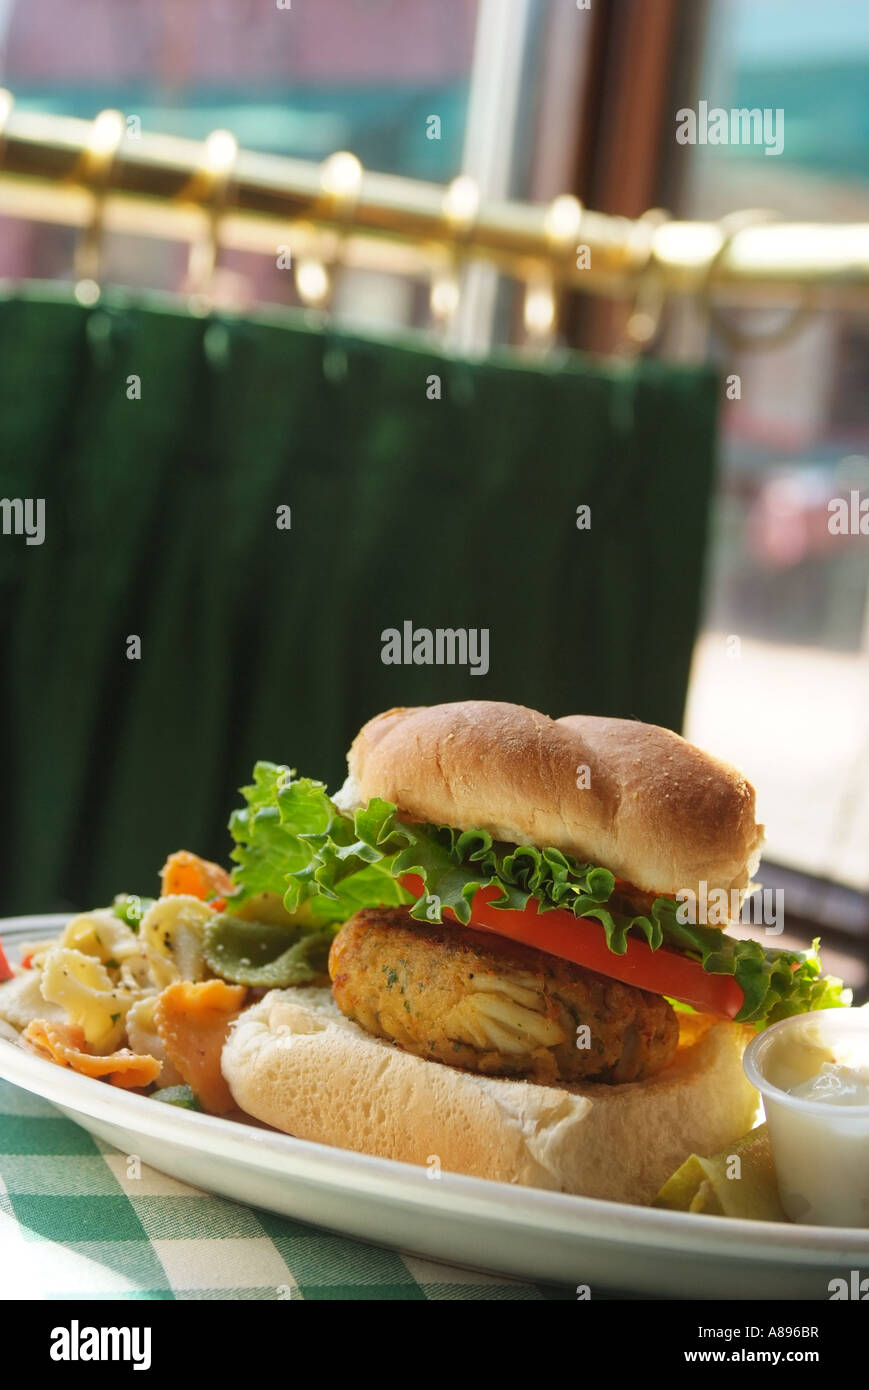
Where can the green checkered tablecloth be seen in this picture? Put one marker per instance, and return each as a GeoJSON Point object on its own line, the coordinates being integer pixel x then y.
{"type": "Point", "coordinates": [73, 1225]}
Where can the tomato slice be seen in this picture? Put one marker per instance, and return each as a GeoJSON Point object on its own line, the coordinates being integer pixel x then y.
{"type": "Point", "coordinates": [5, 967]}
{"type": "Point", "coordinates": [582, 940]}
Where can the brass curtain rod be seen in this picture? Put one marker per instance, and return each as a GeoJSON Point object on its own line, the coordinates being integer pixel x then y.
{"type": "Point", "coordinates": [53, 168]}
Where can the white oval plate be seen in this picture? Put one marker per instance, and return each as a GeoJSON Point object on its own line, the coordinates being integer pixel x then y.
{"type": "Point", "coordinates": [468, 1221]}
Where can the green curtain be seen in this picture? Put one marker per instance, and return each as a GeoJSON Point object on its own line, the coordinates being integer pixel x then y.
{"type": "Point", "coordinates": [261, 642]}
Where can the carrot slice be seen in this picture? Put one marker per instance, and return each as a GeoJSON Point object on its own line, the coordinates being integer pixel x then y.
{"type": "Point", "coordinates": [5, 967]}
{"type": "Point", "coordinates": [65, 1044]}
{"type": "Point", "coordinates": [193, 1021]}
{"type": "Point", "coordinates": [184, 872]}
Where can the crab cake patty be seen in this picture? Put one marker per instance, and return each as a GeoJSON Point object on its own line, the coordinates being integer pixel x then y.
{"type": "Point", "coordinates": [475, 1000]}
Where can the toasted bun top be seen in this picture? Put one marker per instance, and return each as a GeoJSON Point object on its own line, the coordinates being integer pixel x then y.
{"type": "Point", "coordinates": [632, 797]}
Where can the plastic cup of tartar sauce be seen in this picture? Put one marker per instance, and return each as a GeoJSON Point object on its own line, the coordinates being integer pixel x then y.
{"type": "Point", "coordinates": [813, 1073]}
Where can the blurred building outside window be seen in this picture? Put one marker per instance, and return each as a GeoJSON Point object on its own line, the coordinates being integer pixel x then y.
{"type": "Point", "coordinates": [780, 684]}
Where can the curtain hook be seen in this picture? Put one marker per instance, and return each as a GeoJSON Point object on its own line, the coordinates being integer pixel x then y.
{"type": "Point", "coordinates": [210, 191]}
{"type": "Point", "coordinates": [539, 310]}
{"type": "Point", "coordinates": [562, 225]}
{"type": "Point", "coordinates": [460, 208]}
{"type": "Point", "coordinates": [738, 339]}
{"type": "Point", "coordinates": [444, 294]}
{"type": "Point", "coordinates": [340, 183]}
{"type": "Point", "coordinates": [94, 170]}
{"type": "Point", "coordinates": [644, 320]}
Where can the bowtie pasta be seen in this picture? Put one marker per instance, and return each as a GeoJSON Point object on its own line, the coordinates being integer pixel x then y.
{"type": "Point", "coordinates": [141, 994]}
{"type": "Point", "coordinates": [101, 969]}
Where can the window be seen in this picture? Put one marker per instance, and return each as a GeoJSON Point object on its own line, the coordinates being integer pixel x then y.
{"type": "Point", "coordinates": [304, 82]}
{"type": "Point", "coordinates": [781, 676]}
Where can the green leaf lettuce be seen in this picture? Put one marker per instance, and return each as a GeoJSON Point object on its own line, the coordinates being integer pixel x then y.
{"type": "Point", "coordinates": [292, 839]}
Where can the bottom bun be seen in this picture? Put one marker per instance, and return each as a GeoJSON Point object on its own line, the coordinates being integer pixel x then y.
{"type": "Point", "coordinates": [295, 1062]}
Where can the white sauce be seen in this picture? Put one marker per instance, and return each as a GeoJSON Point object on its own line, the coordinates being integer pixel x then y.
{"type": "Point", "coordinates": [813, 1073]}
{"type": "Point", "coordinates": [836, 1084]}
